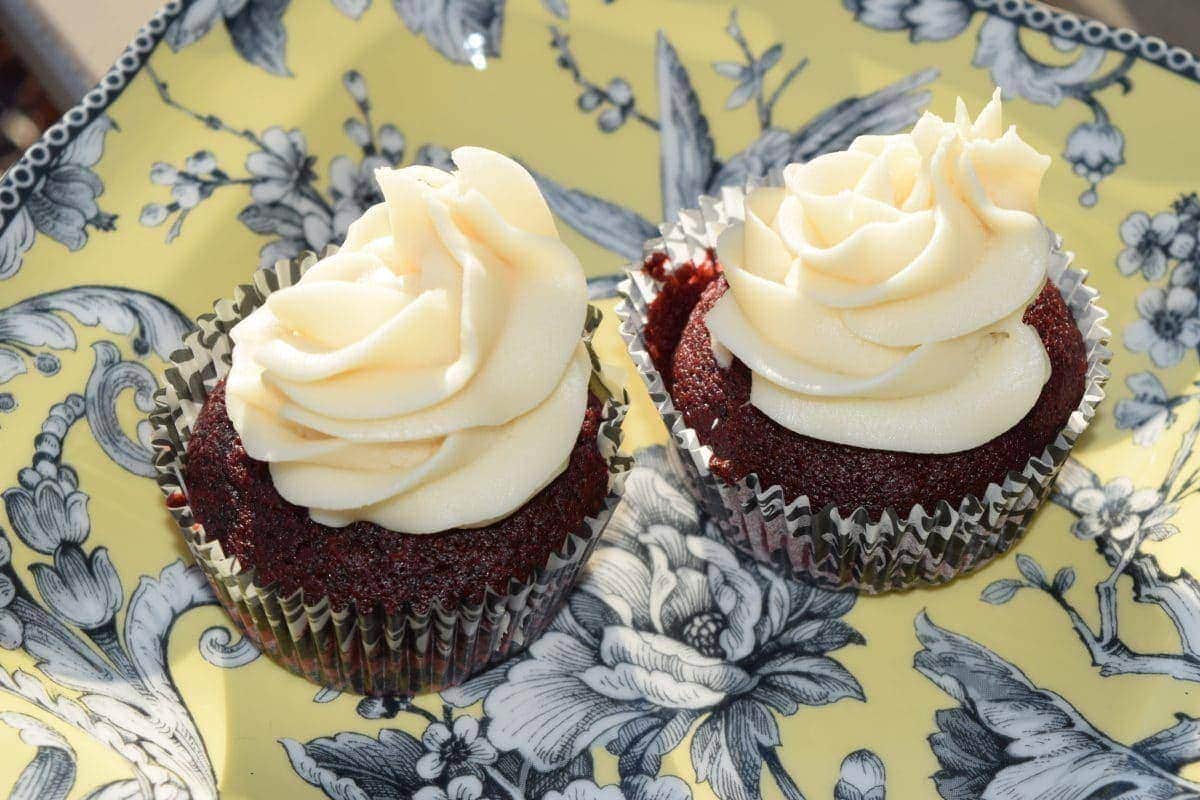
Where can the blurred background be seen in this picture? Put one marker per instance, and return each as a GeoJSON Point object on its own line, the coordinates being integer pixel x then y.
{"type": "Point", "coordinates": [53, 51]}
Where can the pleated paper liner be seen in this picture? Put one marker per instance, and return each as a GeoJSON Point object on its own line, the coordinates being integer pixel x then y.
{"type": "Point", "coordinates": [366, 651]}
{"type": "Point", "coordinates": [847, 548]}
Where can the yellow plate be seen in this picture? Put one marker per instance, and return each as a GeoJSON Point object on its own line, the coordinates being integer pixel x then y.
{"type": "Point", "coordinates": [236, 132]}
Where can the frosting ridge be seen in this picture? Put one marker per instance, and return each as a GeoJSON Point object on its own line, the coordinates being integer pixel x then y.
{"type": "Point", "coordinates": [883, 286]}
{"type": "Point", "coordinates": [430, 374]}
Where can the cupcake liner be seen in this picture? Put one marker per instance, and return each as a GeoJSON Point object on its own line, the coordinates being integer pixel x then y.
{"type": "Point", "coordinates": [410, 650]}
{"type": "Point", "coordinates": [847, 548]}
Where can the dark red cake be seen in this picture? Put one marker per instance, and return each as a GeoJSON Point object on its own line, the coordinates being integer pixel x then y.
{"type": "Point", "coordinates": [715, 402]}
{"type": "Point", "coordinates": [233, 497]}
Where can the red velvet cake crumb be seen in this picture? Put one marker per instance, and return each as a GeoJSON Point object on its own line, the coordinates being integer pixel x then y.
{"type": "Point", "coordinates": [233, 497]}
{"type": "Point", "coordinates": [716, 403]}
{"type": "Point", "coordinates": [680, 292]}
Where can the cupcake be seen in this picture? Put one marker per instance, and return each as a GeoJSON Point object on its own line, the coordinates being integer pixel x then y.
{"type": "Point", "coordinates": [877, 368]}
{"type": "Point", "coordinates": [392, 461]}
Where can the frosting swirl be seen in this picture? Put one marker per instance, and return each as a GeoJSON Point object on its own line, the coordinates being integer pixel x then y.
{"type": "Point", "coordinates": [877, 297]}
{"type": "Point", "coordinates": [430, 374]}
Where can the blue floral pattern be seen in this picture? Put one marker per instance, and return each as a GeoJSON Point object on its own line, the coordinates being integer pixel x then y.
{"type": "Point", "coordinates": [1150, 242]}
{"type": "Point", "coordinates": [1169, 326]}
{"type": "Point", "coordinates": [1156, 247]}
{"type": "Point", "coordinates": [689, 165]}
{"type": "Point", "coordinates": [671, 635]}
{"type": "Point", "coordinates": [671, 630]}
{"type": "Point", "coordinates": [116, 671]}
{"type": "Point", "coordinates": [1094, 149]}
{"type": "Point", "coordinates": [281, 178]}
{"type": "Point", "coordinates": [1009, 738]}
{"type": "Point", "coordinates": [1117, 515]}
{"type": "Point", "coordinates": [355, 765]}
{"type": "Point", "coordinates": [255, 29]}
{"type": "Point", "coordinates": [1120, 519]}
{"type": "Point", "coordinates": [152, 324]}
{"type": "Point", "coordinates": [62, 203]}
{"type": "Point", "coordinates": [465, 31]}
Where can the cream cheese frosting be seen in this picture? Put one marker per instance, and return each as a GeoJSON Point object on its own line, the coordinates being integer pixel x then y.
{"type": "Point", "coordinates": [431, 373]}
{"type": "Point", "coordinates": [877, 296]}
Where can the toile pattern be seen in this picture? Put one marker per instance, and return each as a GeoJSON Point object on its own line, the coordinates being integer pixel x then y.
{"type": "Point", "coordinates": [677, 668]}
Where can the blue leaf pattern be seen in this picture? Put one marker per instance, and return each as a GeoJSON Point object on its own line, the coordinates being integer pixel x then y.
{"type": "Point", "coordinates": [607, 224]}
{"type": "Point", "coordinates": [1042, 746]}
{"type": "Point", "coordinates": [255, 29]}
{"type": "Point", "coordinates": [686, 149]}
{"type": "Point", "coordinates": [51, 773]}
{"type": "Point", "coordinates": [461, 30]}
{"type": "Point", "coordinates": [111, 376]}
{"type": "Point", "coordinates": [1175, 747]}
{"type": "Point", "coordinates": [257, 33]}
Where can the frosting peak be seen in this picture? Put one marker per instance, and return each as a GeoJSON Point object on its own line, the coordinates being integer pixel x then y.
{"type": "Point", "coordinates": [430, 374]}
{"type": "Point", "coordinates": [883, 287]}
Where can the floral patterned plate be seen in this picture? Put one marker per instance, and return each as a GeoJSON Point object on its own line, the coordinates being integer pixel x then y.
{"type": "Point", "coordinates": [237, 132]}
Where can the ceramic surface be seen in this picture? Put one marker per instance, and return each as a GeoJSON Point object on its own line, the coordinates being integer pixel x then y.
{"type": "Point", "coordinates": [236, 132]}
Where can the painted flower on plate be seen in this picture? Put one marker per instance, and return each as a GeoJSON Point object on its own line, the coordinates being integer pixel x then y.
{"type": "Point", "coordinates": [1150, 241]}
{"type": "Point", "coordinates": [48, 510]}
{"type": "Point", "coordinates": [862, 777]}
{"type": "Point", "coordinates": [672, 629]}
{"type": "Point", "coordinates": [280, 166]}
{"type": "Point", "coordinates": [1169, 326]}
{"type": "Point", "coordinates": [1094, 150]}
{"type": "Point", "coordinates": [63, 202]}
{"type": "Point", "coordinates": [86, 591]}
{"type": "Point", "coordinates": [1120, 512]}
{"type": "Point", "coordinates": [454, 747]}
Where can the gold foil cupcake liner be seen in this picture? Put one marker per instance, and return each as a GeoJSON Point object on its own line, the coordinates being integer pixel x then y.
{"type": "Point", "coordinates": [848, 548]}
{"type": "Point", "coordinates": [375, 652]}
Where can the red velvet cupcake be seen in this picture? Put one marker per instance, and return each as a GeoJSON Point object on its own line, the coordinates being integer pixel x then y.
{"type": "Point", "coordinates": [392, 462]}
{"type": "Point", "coordinates": [363, 564]}
{"type": "Point", "coordinates": [878, 368]}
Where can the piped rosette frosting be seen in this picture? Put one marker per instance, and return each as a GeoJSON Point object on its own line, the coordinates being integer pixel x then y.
{"type": "Point", "coordinates": [430, 374]}
{"type": "Point", "coordinates": [877, 297]}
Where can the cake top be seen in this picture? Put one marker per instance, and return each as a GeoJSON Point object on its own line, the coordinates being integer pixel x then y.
{"type": "Point", "coordinates": [430, 374]}
{"type": "Point", "coordinates": [877, 296]}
